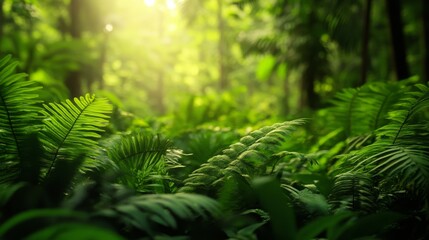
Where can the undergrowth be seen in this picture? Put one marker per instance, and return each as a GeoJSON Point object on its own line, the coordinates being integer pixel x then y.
{"type": "Point", "coordinates": [364, 174]}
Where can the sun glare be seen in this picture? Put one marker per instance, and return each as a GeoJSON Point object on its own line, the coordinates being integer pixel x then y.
{"type": "Point", "coordinates": [171, 4]}
{"type": "Point", "coordinates": [149, 3]}
{"type": "Point", "coordinates": [108, 27]}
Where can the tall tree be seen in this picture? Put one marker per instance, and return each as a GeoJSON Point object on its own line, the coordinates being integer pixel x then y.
{"type": "Point", "coordinates": [397, 38]}
{"type": "Point", "coordinates": [365, 42]}
{"type": "Point", "coordinates": [1, 21]}
{"type": "Point", "coordinates": [73, 80]}
{"type": "Point", "coordinates": [222, 47]}
{"type": "Point", "coordinates": [160, 85]}
{"type": "Point", "coordinates": [425, 20]}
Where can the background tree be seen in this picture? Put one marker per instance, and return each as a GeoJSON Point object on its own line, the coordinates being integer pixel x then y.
{"type": "Point", "coordinates": [397, 38]}
{"type": "Point", "coordinates": [73, 80]}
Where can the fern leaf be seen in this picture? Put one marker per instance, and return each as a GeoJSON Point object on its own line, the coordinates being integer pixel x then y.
{"type": "Point", "coordinates": [167, 210]}
{"type": "Point", "coordinates": [408, 164]}
{"type": "Point", "coordinates": [354, 191]}
{"type": "Point", "coordinates": [248, 157]}
{"type": "Point", "coordinates": [71, 129]}
{"type": "Point", "coordinates": [402, 124]}
{"type": "Point", "coordinates": [143, 160]}
{"type": "Point", "coordinates": [18, 117]}
{"type": "Point", "coordinates": [363, 110]}
{"type": "Point", "coordinates": [402, 151]}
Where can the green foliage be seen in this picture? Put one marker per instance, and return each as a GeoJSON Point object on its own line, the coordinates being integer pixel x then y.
{"type": "Point", "coordinates": [68, 129]}
{"type": "Point", "coordinates": [363, 110]}
{"type": "Point", "coordinates": [10, 228]}
{"type": "Point", "coordinates": [354, 191]}
{"type": "Point", "coordinates": [266, 187]}
{"type": "Point", "coordinates": [358, 170]}
{"type": "Point", "coordinates": [201, 144]}
{"type": "Point", "coordinates": [19, 118]}
{"type": "Point", "coordinates": [250, 157]}
{"type": "Point", "coordinates": [75, 230]}
{"type": "Point", "coordinates": [143, 161]}
{"type": "Point", "coordinates": [153, 214]}
{"type": "Point", "coordinates": [71, 128]}
{"type": "Point", "coordinates": [275, 202]}
{"type": "Point", "coordinates": [401, 151]}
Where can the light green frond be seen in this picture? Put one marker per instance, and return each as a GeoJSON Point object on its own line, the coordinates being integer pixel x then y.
{"type": "Point", "coordinates": [18, 117]}
{"type": "Point", "coordinates": [140, 157]}
{"type": "Point", "coordinates": [248, 157]}
{"type": "Point", "coordinates": [71, 128]}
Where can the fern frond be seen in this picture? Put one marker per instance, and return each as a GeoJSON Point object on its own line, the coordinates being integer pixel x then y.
{"type": "Point", "coordinates": [18, 117]}
{"type": "Point", "coordinates": [407, 165]}
{"type": "Point", "coordinates": [353, 191]}
{"type": "Point", "coordinates": [401, 152]}
{"type": "Point", "coordinates": [140, 157]}
{"type": "Point", "coordinates": [248, 157]}
{"type": "Point", "coordinates": [145, 212]}
{"type": "Point", "coordinates": [403, 124]}
{"type": "Point", "coordinates": [310, 203]}
{"type": "Point", "coordinates": [70, 129]}
{"type": "Point", "coordinates": [363, 110]}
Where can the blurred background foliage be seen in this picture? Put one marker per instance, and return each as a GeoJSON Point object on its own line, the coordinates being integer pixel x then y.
{"type": "Point", "coordinates": [233, 62]}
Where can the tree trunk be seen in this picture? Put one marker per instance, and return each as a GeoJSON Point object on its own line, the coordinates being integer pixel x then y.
{"type": "Point", "coordinates": [1, 23]}
{"type": "Point", "coordinates": [425, 19]}
{"type": "Point", "coordinates": [159, 95]}
{"type": "Point", "coordinates": [223, 79]}
{"type": "Point", "coordinates": [286, 94]}
{"type": "Point", "coordinates": [73, 80]}
{"type": "Point", "coordinates": [365, 43]}
{"type": "Point", "coordinates": [99, 67]}
{"type": "Point", "coordinates": [160, 91]}
{"type": "Point", "coordinates": [309, 97]}
{"type": "Point", "coordinates": [397, 39]}
{"type": "Point", "coordinates": [313, 66]}
{"type": "Point", "coordinates": [31, 50]}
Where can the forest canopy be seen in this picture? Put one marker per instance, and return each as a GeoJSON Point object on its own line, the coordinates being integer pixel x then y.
{"type": "Point", "coordinates": [214, 119]}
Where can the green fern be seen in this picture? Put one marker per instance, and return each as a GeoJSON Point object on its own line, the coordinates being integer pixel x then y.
{"type": "Point", "coordinates": [18, 118]}
{"type": "Point", "coordinates": [141, 158]}
{"type": "Point", "coordinates": [353, 191]}
{"type": "Point", "coordinates": [360, 111]}
{"type": "Point", "coordinates": [401, 152]}
{"type": "Point", "coordinates": [146, 212]}
{"type": "Point", "coordinates": [70, 129]}
{"type": "Point", "coordinates": [251, 156]}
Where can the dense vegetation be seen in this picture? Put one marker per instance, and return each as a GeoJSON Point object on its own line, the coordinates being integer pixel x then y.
{"type": "Point", "coordinates": [262, 126]}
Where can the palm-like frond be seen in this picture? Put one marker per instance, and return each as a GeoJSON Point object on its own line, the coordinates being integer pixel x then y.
{"type": "Point", "coordinates": [248, 157]}
{"type": "Point", "coordinates": [71, 128]}
{"type": "Point", "coordinates": [139, 157]}
{"type": "Point", "coordinates": [353, 191]}
{"type": "Point", "coordinates": [363, 110]}
{"type": "Point", "coordinates": [404, 123]}
{"type": "Point", "coordinates": [401, 152]}
{"type": "Point", "coordinates": [18, 117]}
{"type": "Point", "coordinates": [146, 212]}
